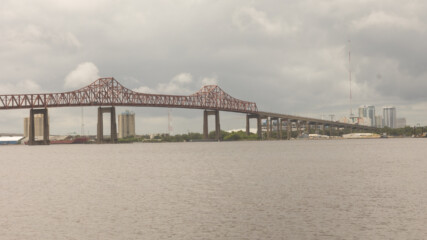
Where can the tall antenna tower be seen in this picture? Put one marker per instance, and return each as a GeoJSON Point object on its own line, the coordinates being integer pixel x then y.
{"type": "Point", "coordinates": [170, 128]}
{"type": "Point", "coordinates": [349, 77]}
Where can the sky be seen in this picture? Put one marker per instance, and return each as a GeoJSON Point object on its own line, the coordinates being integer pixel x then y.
{"type": "Point", "coordinates": [289, 57]}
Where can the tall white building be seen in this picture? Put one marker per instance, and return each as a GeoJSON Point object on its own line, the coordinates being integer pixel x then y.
{"type": "Point", "coordinates": [38, 126]}
{"type": "Point", "coordinates": [401, 123]}
{"type": "Point", "coordinates": [126, 124]}
{"type": "Point", "coordinates": [389, 117]}
{"type": "Point", "coordinates": [379, 121]}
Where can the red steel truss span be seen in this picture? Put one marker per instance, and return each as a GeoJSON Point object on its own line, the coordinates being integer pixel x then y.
{"type": "Point", "coordinates": [109, 92]}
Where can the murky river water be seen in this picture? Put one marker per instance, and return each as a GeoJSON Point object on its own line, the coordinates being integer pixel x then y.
{"type": "Point", "coordinates": [343, 189]}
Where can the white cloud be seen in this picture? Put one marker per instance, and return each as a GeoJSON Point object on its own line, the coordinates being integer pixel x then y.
{"type": "Point", "coordinates": [209, 81]}
{"type": "Point", "coordinates": [178, 85]}
{"type": "Point", "coordinates": [382, 19]}
{"type": "Point", "coordinates": [182, 78]}
{"type": "Point", "coordinates": [84, 74]}
{"type": "Point", "coordinates": [24, 86]}
{"type": "Point", "coordinates": [144, 89]}
{"type": "Point", "coordinates": [250, 18]}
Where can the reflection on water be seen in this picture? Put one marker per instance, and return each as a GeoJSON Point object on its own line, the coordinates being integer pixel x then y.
{"type": "Point", "coordinates": [344, 189]}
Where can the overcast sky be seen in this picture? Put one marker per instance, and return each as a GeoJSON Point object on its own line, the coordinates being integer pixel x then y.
{"type": "Point", "coordinates": [287, 56]}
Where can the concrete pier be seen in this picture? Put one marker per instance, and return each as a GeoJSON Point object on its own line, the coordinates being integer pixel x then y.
{"type": "Point", "coordinates": [247, 124]}
{"type": "Point", "coordinates": [288, 129]}
{"type": "Point", "coordinates": [100, 126]}
{"type": "Point", "coordinates": [206, 114]}
{"type": "Point", "coordinates": [31, 138]}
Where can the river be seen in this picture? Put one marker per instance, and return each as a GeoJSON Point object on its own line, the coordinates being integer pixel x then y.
{"type": "Point", "coordinates": [319, 189]}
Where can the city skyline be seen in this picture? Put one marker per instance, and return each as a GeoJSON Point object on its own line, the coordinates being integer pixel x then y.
{"type": "Point", "coordinates": [290, 57]}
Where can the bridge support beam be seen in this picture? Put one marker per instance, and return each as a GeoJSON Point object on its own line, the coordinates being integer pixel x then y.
{"type": "Point", "coordinates": [271, 121]}
{"type": "Point", "coordinates": [206, 114]}
{"type": "Point", "coordinates": [280, 127]}
{"type": "Point", "coordinates": [247, 125]}
{"type": "Point", "coordinates": [248, 118]}
{"type": "Point", "coordinates": [288, 129]}
{"type": "Point", "coordinates": [277, 120]}
{"type": "Point", "coordinates": [100, 127]}
{"type": "Point", "coordinates": [268, 128]}
{"type": "Point", "coordinates": [31, 139]}
{"type": "Point", "coordinates": [259, 126]}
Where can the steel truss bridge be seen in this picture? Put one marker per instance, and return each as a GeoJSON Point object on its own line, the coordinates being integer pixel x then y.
{"type": "Point", "coordinates": [108, 92]}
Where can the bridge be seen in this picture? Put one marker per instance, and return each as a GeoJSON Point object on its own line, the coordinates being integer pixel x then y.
{"type": "Point", "coordinates": [108, 93]}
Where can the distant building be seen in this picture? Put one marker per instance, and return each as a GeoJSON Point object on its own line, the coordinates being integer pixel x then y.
{"type": "Point", "coordinates": [38, 126]}
{"type": "Point", "coordinates": [126, 124]}
{"type": "Point", "coordinates": [364, 121]}
{"type": "Point", "coordinates": [401, 122]}
{"type": "Point", "coordinates": [389, 117]}
{"type": "Point", "coordinates": [371, 114]}
{"type": "Point", "coordinates": [368, 114]}
{"type": "Point", "coordinates": [379, 121]}
{"type": "Point", "coordinates": [362, 112]}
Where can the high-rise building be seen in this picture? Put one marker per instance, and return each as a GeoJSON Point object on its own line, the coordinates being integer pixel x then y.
{"type": "Point", "coordinates": [401, 123]}
{"type": "Point", "coordinates": [38, 126]}
{"type": "Point", "coordinates": [368, 114]}
{"type": "Point", "coordinates": [379, 121]}
{"type": "Point", "coordinates": [389, 117]}
{"type": "Point", "coordinates": [362, 112]}
{"type": "Point", "coordinates": [371, 114]}
{"type": "Point", "coordinates": [126, 124]}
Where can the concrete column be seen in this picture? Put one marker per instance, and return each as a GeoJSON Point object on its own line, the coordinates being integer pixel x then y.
{"type": "Point", "coordinates": [271, 126]}
{"type": "Point", "coordinates": [46, 140]}
{"type": "Point", "coordinates": [280, 122]}
{"type": "Point", "coordinates": [298, 128]}
{"type": "Point", "coordinates": [288, 128]}
{"type": "Point", "coordinates": [100, 125]}
{"type": "Point", "coordinates": [205, 125]}
{"type": "Point", "coordinates": [316, 128]}
{"type": "Point", "coordinates": [259, 126]}
{"type": "Point", "coordinates": [323, 129]}
{"type": "Point", "coordinates": [268, 127]}
{"type": "Point", "coordinates": [247, 125]}
{"type": "Point", "coordinates": [307, 127]}
{"type": "Point", "coordinates": [113, 129]}
{"type": "Point", "coordinates": [31, 137]}
{"type": "Point", "coordinates": [217, 126]}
